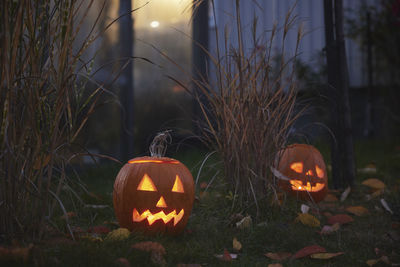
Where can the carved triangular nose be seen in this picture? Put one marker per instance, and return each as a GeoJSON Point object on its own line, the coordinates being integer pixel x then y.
{"type": "Point", "coordinates": [161, 203]}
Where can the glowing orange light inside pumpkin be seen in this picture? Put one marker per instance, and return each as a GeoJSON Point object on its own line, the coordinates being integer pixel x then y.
{"type": "Point", "coordinates": [320, 172]}
{"type": "Point", "coordinates": [298, 186]}
{"type": "Point", "coordinates": [178, 186]}
{"type": "Point", "coordinates": [297, 167]}
{"type": "Point", "coordinates": [309, 172]}
{"type": "Point", "coordinates": [151, 218]}
{"type": "Point", "coordinates": [161, 203]}
{"type": "Point", "coordinates": [152, 161]}
{"type": "Point", "coordinates": [146, 184]}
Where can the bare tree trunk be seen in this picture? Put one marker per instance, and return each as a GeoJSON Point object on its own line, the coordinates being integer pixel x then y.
{"type": "Point", "coordinates": [332, 94]}
{"type": "Point", "coordinates": [126, 79]}
{"type": "Point", "coordinates": [199, 71]}
{"type": "Point", "coordinates": [343, 86]}
{"type": "Point", "coordinates": [342, 150]}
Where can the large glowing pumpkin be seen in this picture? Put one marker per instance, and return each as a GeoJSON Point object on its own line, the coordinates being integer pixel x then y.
{"type": "Point", "coordinates": [304, 172]}
{"type": "Point", "coordinates": [153, 195]}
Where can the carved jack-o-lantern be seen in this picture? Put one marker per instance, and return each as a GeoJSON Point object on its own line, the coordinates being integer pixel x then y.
{"type": "Point", "coordinates": [304, 169]}
{"type": "Point", "coordinates": [154, 194]}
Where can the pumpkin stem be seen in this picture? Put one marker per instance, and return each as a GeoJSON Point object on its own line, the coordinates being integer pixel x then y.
{"type": "Point", "coordinates": [159, 144]}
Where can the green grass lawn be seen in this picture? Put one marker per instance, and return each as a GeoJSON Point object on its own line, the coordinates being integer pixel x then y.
{"type": "Point", "coordinates": [212, 228]}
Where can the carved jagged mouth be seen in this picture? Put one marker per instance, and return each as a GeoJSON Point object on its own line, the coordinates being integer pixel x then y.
{"type": "Point", "coordinates": [298, 186]}
{"type": "Point", "coordinates": [151, 218]}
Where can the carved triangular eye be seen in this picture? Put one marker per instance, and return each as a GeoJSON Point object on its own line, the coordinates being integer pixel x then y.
{"type": "Point", "coordinates": [146, 184]}
{"type": "Point", "coordinates": [178, 186]}
{"type": "Point", "coordinates": [297, 167]}
{"type": "Point", "coordinates": [320, 172]}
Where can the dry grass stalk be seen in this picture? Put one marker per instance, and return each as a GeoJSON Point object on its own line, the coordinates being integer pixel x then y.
{"type": "Point", "coordinates": [249, 109]}
{"type": "Point", "coordinates": [42, 108]}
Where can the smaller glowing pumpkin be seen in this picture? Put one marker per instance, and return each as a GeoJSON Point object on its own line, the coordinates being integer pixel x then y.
{"type": "Point", "coordinates": [304, 169]}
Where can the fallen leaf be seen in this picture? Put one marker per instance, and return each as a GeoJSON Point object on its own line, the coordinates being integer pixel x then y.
{"type": "Point", "coordinates": [374, 183]}
{"type": "Point", "coordinates": [118, 234]}
{"type": "Point", "coordinates": [99, 229]}
{"type": "Point", "coordinates": [236, 244]}
{"type": "Point", "coordinates": [331, 198]}
{"type": "Point", "coordinates": [327, 214]}
{"type": "Point", "coordinates": [308, 219]}
{"type": "Point", "coordinates": [372, 262]}
{"type": "Point", "coordinates": [226, 256]}
{"type": "Point", "coordinates": [16, 253]}
{"type": "Point", "coordinates": [345, 194]}
{"type": "Point", "coordinates": [275, 265]}
{"type": "Point", "coordinates": [306, 251]}
{"type": "Point", "coordinates": [244, 223]}
{"type": "Point", "coordinates": [357, 210]}
{"type": "Point", "coordinates": [326, 255]}
{"type": "Point", "coordinates": [122, 262]}
{"type": "Point", "coordinates": [279, 256]}
{"type": "Point", "coordinates": [386, 206]}
{"type": "Point", "coordinates": [304, 208]}
{"type": "Point", "coordinates": [340, 219]}
{"type": "Point", "coordinates": [327, 229]}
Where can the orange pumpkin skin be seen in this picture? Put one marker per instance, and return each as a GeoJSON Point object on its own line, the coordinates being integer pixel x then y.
{"type": "Point", "coordinates": [305, 167]}
{"type": "Point", "coordinates": [153, 195]}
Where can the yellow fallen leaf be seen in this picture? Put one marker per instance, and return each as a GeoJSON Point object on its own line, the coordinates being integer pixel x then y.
{"type": "Point", "coordinates": [278, 256]}
{"type": "Point", "coordinates": [357, 210]}
{"type": "Point", "coordinates": [374, 183]}
{"type": "Point", "coordinates": [372, 262]}
{"type": "Point", "coordinates": [118, 234]}
{"type": "Point", "coordinates": [308, 219]}
{"type": "Point", "coordinates": [326, 255]}
{"type": "Point", "coordinates": [236, 244]}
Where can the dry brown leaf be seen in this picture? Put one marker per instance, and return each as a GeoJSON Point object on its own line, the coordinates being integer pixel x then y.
{"type": "Point", "coordinates": [326, 255]}
{"type": "Point", "coordinates": [340, 219]}
{"type": "Point", "coordinates": [236, 244]}
{"type": "Point", "coordinates": [122, 262]}
{"type": "Point", "coordinates": [331, 198]}
{"type": "Point", "coordinates": [357, 210]}
{"type": "Point", "coordinates": [275, 265]}
{"type": "Point", "coordinates": [374, 183]}
{"type": "Point", "coordinates": [306, 251]}
{"type": "Point", "coordinates": [279, 256]}
{"type": "Point", "coordinates": [16, 253]}
{"type": "Point", "coordinates": [308, 219]}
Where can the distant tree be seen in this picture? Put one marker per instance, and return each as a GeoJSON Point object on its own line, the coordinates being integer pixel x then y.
{"type": "Point", "coordinates": [126, 78]}
{"type": "Point", "coordinates": [342, 148]}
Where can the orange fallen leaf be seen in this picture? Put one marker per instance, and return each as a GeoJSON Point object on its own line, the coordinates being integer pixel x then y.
{"type": "Point", "coordinates": [307, 251]}
{"type": "Point", "coordinates": [372, 262]}
{"type": "Point", "coordinates": [279, 256]}
{"type": "Point", "coordinates": [340, 219]}
{"type": "Point", "coordinates": [331, 198]}
{"type": "Point", "coordinates": [357, 210]}
{"type": "Point", "coordinates": [326, 255]}
{"type": "Point", "coordinates": [374, 183]}
{"type": "Point", "coordinates": [236, 244]}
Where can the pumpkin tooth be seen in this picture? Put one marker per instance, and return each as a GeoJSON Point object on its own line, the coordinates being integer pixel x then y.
{"type": "Point", "coordinates": [151, 218]}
